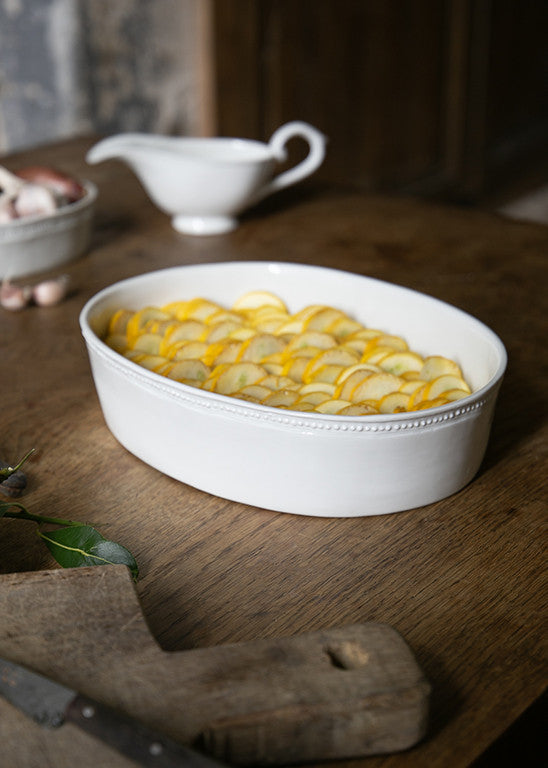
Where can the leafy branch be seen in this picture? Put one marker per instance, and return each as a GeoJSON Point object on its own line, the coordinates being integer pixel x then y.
{"type": "Point", "coordinates": [72, 544]}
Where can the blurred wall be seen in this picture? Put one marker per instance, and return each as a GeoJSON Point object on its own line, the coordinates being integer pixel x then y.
{"type": "Point", "coordinates": [445, 98]}
{"type": "Point", "coordinates": [69, 67]}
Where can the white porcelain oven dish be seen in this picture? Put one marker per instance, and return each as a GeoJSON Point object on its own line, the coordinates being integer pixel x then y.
{"type": "Point", "coordinates": [300, 462]}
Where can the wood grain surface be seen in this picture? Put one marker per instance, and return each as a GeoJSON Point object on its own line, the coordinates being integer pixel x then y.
{"type": "Point", "coordinates": [342, 692]}
{"type": "Point", "coordinates": [462, 580]}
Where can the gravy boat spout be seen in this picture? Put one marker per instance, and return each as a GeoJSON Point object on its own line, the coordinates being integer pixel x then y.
{"type": "Point", "coordinates": [205, 183]}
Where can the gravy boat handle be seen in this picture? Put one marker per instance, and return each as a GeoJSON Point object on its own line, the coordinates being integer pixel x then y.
{"type": "Point", "coordinates": [316, 141]}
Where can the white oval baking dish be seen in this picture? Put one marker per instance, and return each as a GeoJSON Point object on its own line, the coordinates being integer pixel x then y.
{"type": "Point", "coordinates": [295, 462]}
{"type": "Point", "coordinates": [38, 243]}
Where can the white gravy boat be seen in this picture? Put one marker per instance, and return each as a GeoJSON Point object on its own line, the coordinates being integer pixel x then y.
{"type": "Point", "coordinates": [205, 183]}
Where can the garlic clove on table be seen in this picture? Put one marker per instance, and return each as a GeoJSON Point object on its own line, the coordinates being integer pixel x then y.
{"type": "Point", "coordinates": [51, 292]}
{"type": "Point", "coordinates": [14, 297]}
{"type": "Point", "coordinates": [44, 294]}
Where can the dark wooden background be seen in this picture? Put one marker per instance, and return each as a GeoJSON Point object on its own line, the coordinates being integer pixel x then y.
{"type": "Point", "coordinates": [446, 98]}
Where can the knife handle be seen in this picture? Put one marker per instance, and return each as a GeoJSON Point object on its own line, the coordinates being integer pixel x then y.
{"type": "Point", "coordinates": [131, 738]}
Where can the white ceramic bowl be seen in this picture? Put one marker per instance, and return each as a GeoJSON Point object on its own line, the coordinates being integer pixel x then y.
{"type": "Point", "coordinates": [38, 243]}
{"type": "Point", "coordinates": [302, 463]}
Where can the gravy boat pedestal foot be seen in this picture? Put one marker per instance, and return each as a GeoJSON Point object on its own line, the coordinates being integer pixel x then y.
{"type": "Point", "coordinates": [204, 225]}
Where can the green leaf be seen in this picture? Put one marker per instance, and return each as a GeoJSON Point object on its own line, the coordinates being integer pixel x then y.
{"type": "Point", "coordinates": [82, 545]}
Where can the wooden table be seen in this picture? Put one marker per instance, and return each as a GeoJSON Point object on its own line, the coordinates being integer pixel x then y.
{"type": "Point", "coordinates": [462, 579]}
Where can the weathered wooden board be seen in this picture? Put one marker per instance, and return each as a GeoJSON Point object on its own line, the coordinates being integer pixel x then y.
{"type": "Point", "coordinates": [342, 692]}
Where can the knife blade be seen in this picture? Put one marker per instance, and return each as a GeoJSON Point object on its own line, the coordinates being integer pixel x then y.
{"type": "Point", "coordinates": [51, 704]}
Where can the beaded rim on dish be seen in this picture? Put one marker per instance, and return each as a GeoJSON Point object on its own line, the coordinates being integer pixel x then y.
{"type": "Point", "coordinates": [374, 423]}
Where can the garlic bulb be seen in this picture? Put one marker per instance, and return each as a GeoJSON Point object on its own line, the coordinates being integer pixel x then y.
{"type": "Point", "coordinates": [65, 187]}
{"type": "Point", "coordinates": [34, 200]}
{"type": "Point", "coordinates": [35, 191]}
{"type": "Point", "coordinates": [7, 209]}
{"type": "Point", "coordinates": [10, 183]}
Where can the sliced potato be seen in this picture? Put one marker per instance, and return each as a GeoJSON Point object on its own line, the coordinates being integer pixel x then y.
{"type": "Point", "coordinates": [416, 397]}
{"type": "Point", "coordinates": [151, 362]}
{"type": "Point", "coordinates": [271, 323]}
{"type": "Point", "coordinates": [411, 376]}
{"type": "Point", "coordinates": [332, 406]}
{"type": "Point", "coordinates": [310, 339]}
{"type": "Point", "coordinates": [189, 369]}
{"type": "Point", "coordinates": [260, 346]}
{"type": "Point", "coordinates": [218, 349]}
{"type": "Point", "coordinates": [187, 350]}
{"type": "Point", "coordinates": [455, 394]}
{"type": "Point", "coordinates": [441, 384]}
{"type": "Point", "coordinates": [323, 319]}
{"type": "Point", "coordinates": [229, 352]}
{"type": "Point", "coordinates": [335, 356]}
{"type": "Point", "coordinates": [357, 345]}
{"type": "Point", "coordinates": [149, 343]}
{"type": "Point", "coordinates": [294, 368]}
{"type": "Point", "coordinates": [367, 367]}
{"type": "Point", "coordinates": [317, 386]}
{"type": "Point", "coordinates": [256, 391]}
{"type": "Point", "coordinates": [223, 315]}
{"type": "Point", "coordinates": [344, 327]}
{"type": "Point", "coordinates": [211, 380]}
{"type": "Point", "coordinates": [306, 352]}
{"type": "Point", "coordinates": [306, 313]}
{"type": "Point", "coordinates": [119, 320]}
{"type": "Point", "coordinates": [137, 323]}
{"type": "Point", "coordinates": [201, 309]}
{"type": "Point", "coordinates": [282, 398]}
{"type": "Point", "coordinates": [328, 373]}
{"type": "Point", "coordinates": [186, 330]}
{"type": "Point", "coordinates": [176, 308]}
{"type": "Point", "coordinates": [358, 409]}
{"type": "Point", "coordinates": [376, 386]}
{"type": "Point", "coordinates": [390, 340]}
{"type": "Point", "coordinates": [436, 365]}
{"type": "Point", "coordinates": [399, 363]}
{"type": "Point", "coordinates": [314, 398]}
{"type": "Point", "coordinates": [273, 363]}
{"type": "Point", "coordinates": [197, 309]}
{"type": "Point", "coordinates": [117, 342]}
{"type": "Point", "coordinates": [237, 376]}
{"type": "Point", "coordinates": [243, 333]}
{"type": "Point", "coordinates": [255, 299]}
{"type": "Point", "coordinates": [410, 386]}
{"type": "Point", "coordinates": [165, 367]}
{"type": "Point", "coordinates": [302, 405]}
{"type": "Point", "coordinates": [433, 403]}
{"type": "Point", "coordinates": [375, 353]}
{"type": "Point", "coordinates": [290, 326]}
{"type": "Point", "coordinates": [264, 311]}
{"type": "Point", "coordinates": [346, 388]}
{"type": "Point", "coordinates": [221, 330]}
{"type": "Point", "coordinates": [395, 402]}
{"type": "Point", "coordinates": [278, 382]}
{"type": "Point", "coordinates": [367, 334]}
